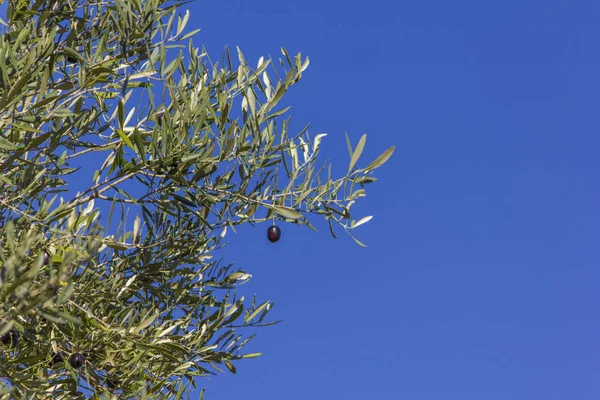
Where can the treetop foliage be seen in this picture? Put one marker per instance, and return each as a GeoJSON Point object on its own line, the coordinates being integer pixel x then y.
{"type": "Point", "coordinates": [172, 147]}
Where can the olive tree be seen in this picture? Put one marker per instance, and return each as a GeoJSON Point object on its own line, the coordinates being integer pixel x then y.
{"type": "Point", "coordinates": [125, 155]}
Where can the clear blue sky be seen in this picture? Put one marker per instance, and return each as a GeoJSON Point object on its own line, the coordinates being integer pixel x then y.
{"type": "Point", "coordinates": [482, 273]}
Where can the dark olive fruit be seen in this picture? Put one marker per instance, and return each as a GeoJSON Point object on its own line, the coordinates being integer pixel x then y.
{"type": "Point", "coordinates": [112, 383]}
{"type": "Point", "coordinates": [273, 233]}
{"type": "Point", "coordinates": [57, 358]}
{"type": "Point", "coordinates": [46, 258]}
{"type": "Point", "coordinates": [174, 169]}
{"type": "Point", "coordinates": [72, 59]}
{"type": "Point", "coordinates": [76, 360]}
{"type": "Point", "coordinates": [10, 338]}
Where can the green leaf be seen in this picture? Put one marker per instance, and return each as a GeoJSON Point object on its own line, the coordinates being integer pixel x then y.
{"type": "Point", "coordinates": [121, 113]}
{"type": "Point", "coordinates": [125, 139]}
{"type": "Point", "coordinates": [251, 355]}
{"type": "Point", "coordinates": [256, 312]}
{"type": "Point", "coordinates": [184, 200]}
{"type": "Point", "coordinates": [181, 23]}
{"type": "Point", "coordinates": [25, 127]}
{"type": "Point", "coordinates": [72, 53]}
{"type": "Point", "coordinates": [145, 323]}
{"type": "Point", "coordinates": [239, 276]}
{"type": "Point", "coordinates": [241, 56]}
{"type": "Point", "coordinates": [6, 145]}
{"type": "Point", "coordinates": [302, 196]}
{"type": "Point", "coordinates": [378, 162]}
{"type": "Point", "coordinates": [358, 242]}
{"type": "Point", "coordinates": [357, 152]}
{"type": "Point", "coordinates": [230, 366]}
{"type": "Point", "coordinates": [115, 245]}
{"type": "Point", "coordinates": [348, 144]}
{"type": "Point", "coordinates": [168, 71]}
{"type": "Point", "coordinates": [190, 34]}
{"type": "Point", "coordinates": [286, 212]}
{"type": "Point", "coordinates": [362, 221]}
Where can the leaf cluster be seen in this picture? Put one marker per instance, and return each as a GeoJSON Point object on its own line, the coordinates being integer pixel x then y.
{"type": "Point", "coordinates": [190, 146]}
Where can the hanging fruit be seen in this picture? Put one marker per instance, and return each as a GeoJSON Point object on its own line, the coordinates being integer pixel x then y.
{"type": "Point", "coordinates": [273, 233]}
{"type": "Point", "coordinates": [112, 382]}
{"type": "Point", "coordinates": [10, 338]}
{"type": "Point", "coordinates": [76, 360]}
{"type": "Point", "coordinates": [46, 258]}
{"type": "Point", "coordinates": [57, 358]}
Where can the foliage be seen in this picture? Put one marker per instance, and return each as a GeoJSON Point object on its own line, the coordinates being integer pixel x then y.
{"type": "Point", "coordinates": [190, 146]}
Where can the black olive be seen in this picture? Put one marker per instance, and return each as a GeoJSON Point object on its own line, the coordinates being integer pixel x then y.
{"type": "Point", "coordinates": [273, 233]}
{"type": "Point", "coordinates": [76, 360]}
{"type": "Point", "coordinates": [57, 358]}
{"type": "Point", "coordinates": [46, 258]}
{"type": "Point", "coordinates": [112, 383]}
{"type": "Point", "coordinates": [10, 338]}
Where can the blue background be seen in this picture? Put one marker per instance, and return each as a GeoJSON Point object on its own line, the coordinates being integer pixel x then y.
{"type": "Point", "coordinates": [481, 276]}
